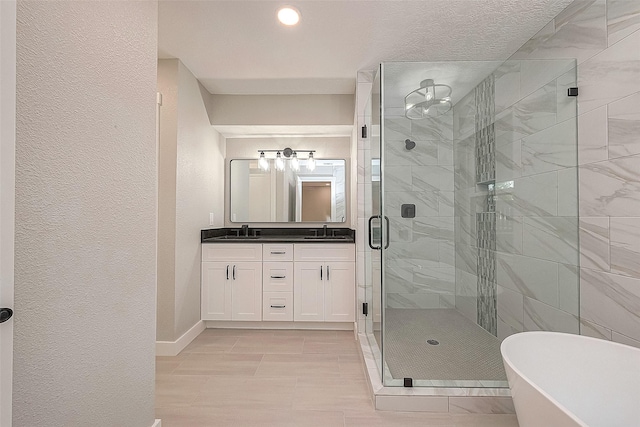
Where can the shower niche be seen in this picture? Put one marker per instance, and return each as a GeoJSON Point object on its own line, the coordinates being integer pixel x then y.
{"type": "Point", "coordinates": [476, 186]}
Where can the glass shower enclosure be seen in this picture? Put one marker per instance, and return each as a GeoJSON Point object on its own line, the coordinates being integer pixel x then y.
{"type": "Point", "coordinates": [471, 209]}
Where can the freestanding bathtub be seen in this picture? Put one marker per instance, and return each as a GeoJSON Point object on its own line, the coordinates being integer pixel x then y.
{"type": "Point", "coordinates": [559, 380]}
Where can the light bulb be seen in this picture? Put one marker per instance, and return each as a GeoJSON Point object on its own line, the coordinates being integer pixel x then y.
{"type": "Point", "coordinates": [295, 163]}
{"type": "Point", "coordinates": [263, 162]}
{"type": "Point", "coordinates": [279, 162]}
{"type": "Point", "coordinates": [311, 162]}
{"type": "Point", "coordinates": [428, 96]}
{"type": "Point", "coordinates": [288, 16]}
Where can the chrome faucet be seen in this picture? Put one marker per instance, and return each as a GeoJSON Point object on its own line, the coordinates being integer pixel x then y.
{"type": "Point", "coordinates": [245, 230]}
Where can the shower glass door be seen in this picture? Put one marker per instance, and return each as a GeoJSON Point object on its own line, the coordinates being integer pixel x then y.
{"type": "Point", "coordinates": [373, 264]}
{"type": "Point", "coordinates": [474, 215]}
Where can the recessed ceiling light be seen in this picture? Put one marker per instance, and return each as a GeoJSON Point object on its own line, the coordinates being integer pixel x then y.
{"type": "Point", "coordinates": [289, 15]}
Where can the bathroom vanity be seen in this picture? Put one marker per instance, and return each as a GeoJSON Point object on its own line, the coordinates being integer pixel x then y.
{"type": "Point", "coordinates": [304, 275]}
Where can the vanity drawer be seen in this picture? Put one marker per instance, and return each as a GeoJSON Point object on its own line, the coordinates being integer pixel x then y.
{"type": "Point", "coordinates": [324, 252]}
{"type": "Point", "coordinates": [234, 252]}
{"type": "Point", "coordinates": [277, 306]}
{"type": "Point", "coordinates": [277, 277]}
{"type": "Point", "coordinates": [277, 252]}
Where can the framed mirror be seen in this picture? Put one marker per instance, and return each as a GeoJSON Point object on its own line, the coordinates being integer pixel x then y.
{"type": "Point", "coordinates": [287, 195]}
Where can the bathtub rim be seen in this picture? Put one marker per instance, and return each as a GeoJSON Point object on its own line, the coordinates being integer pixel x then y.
{"type": "Point", "coordinates": [519, 336]}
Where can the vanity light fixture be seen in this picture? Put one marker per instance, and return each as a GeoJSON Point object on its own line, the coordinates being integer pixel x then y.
{"type": "Point", "coordinates": [289, 154]}
{"type": "Point", "coordinates": [429, 100]}
{"type": "Point", "coordinates": [288, 15]}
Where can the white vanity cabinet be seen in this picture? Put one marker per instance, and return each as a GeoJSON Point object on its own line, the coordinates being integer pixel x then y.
{"type": "Point", "coordinates": [323, 286]}
{"type": "Point", "coordinates": [232, 282]}
{"type": "Point", "coordinates": [284, 282]}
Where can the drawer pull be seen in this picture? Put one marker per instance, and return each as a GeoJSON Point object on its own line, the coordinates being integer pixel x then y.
{"type": "Point", "coordinates": [278, 277]}
{"type": "Point", "coordinates": [278, 306]}
{"type": "Point", "coordinates": [278, 252]}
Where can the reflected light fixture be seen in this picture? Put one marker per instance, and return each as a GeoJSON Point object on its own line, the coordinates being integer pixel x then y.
{"type": "Point", "coordinates": [279, 162]}
{"type": "Point", "coordinates": [429, 100]}
{"type": "Point", "coordinates": [263, 162]}
{"type": "Point", "coordinates": [288, 15]}
{"type": "Point", "coordinates": [295, 163]}
{"type": "Point", "coordinates": [311, 162]}
{"type": "Point", "coordinates": [286, 154]}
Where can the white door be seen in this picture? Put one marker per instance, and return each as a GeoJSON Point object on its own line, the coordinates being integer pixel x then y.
{"type": "Point", "coordinates": [216, 290]}
{"type": "Point", "coordinates": [308, 291]}
{"type": "Point", "coordinates": [246, 291]}
{"type": "Point", "coordinates": [339, 292]}
{"type": "Point", "coordinates": [7, 194]}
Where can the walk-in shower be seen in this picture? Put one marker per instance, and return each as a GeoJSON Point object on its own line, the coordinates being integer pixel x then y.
{"type": "Point", "coordinates": [469, 192]}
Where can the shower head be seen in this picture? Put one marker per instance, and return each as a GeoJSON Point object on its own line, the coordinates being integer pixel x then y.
{"type": "Point", "coordinates": [409, 144]}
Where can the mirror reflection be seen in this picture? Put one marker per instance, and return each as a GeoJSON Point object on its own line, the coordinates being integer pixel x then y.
{"type": "Point", "coordinates": [287, 195]}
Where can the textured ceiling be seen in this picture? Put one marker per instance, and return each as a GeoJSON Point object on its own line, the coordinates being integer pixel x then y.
{"type": "Point", "coordinates": [238, 47]}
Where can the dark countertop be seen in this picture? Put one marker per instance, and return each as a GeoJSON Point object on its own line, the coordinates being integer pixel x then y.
{"type": "Point", "coordinates": [278, 235]}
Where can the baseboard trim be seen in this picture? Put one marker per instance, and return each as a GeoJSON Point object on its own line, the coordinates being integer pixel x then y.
{"type": "Point", "coordinates": [173, 348]}
{"type": "Point", "coordinates": [158, 423]}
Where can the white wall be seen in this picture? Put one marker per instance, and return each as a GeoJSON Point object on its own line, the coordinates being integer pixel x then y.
{"type": "Point", "coordinates": [199, 191]}
{"type": "Point", "coordinates": [168, 87]}
{"type": "Point", "coordinates": [290, 110]}
{"type": "Point", "coordinates": [85, 241]}
{"type": "Point", "coordinates": [191, 187]}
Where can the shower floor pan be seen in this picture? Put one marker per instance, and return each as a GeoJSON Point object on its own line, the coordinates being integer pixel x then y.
{"type": "Point", "coordinates": [464, 351]}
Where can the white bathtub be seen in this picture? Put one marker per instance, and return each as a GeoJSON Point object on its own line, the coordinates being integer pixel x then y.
{"type": "Point", "coordinates": [559, 380]}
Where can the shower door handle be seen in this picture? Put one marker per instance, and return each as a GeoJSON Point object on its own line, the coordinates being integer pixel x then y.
{"type": "Point", "coordinates": [386, 246]}
{"type": "Point", "coordinates": [371, 232]}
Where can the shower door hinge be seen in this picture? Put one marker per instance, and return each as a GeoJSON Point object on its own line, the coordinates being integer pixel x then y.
{"type": "Point", "coordinates": [572, 91]}
{"type": "Point", "coordinates": [365, 308]}
{"type": "Point", "coordinates": [364, 131]}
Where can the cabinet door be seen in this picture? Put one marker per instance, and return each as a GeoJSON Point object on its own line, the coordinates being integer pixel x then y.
{"type": "Point", "coordinates": [339, 292]}
{"type": "Point", "coordinates": [216, 291]}
{"type": "Point", "coordinates": [246, 284]}
{"type": "Point", "coordinates": [308, 291]}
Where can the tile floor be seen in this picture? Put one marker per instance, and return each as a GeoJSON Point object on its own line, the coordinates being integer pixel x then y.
{"type": "Point", "coordinates": [233, 377]}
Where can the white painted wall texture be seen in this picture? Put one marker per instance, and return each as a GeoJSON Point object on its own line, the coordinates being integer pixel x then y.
{"type": "Point", "coordinates": [85, 261]}
{"type": "Point", "coordinates": [191, 178]}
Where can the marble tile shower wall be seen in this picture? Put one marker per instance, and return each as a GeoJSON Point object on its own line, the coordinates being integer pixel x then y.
{"type": "Point", "coordinates": [604, 36]}
{"type": "Point", "coordinates": [536, 230]}
{"type": "Point", "coordinates": [420, 261]}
